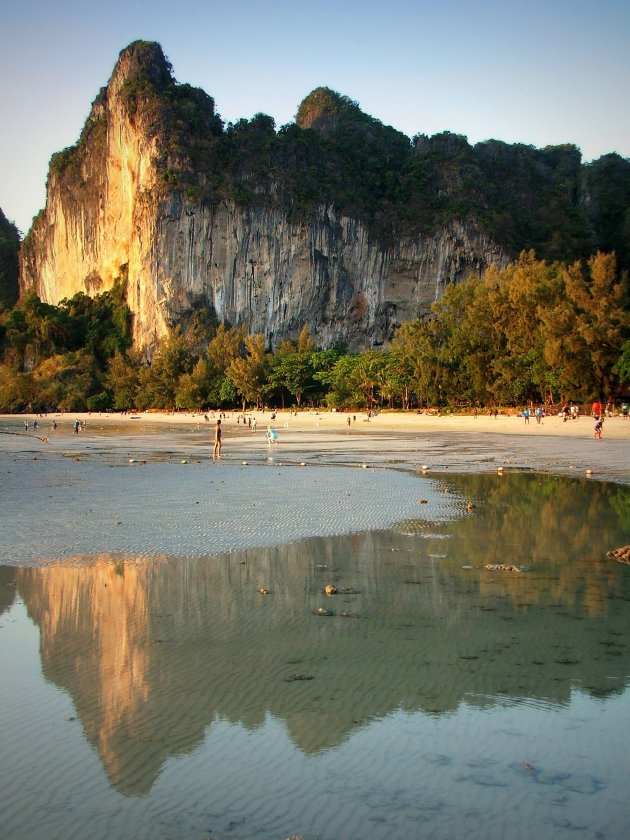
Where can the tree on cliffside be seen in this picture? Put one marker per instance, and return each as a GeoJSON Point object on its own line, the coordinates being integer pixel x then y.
{"type": "Point", "coordinates": [159, 380]}
{"type": "Point", "coordinates": [598, 295]}
{"type": "Point", "coordinates": [249, 373]}
{"type": "Point", "coordinates": [123, 380]}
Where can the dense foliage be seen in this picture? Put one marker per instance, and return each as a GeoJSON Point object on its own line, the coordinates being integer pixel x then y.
{"type": "Point", "coordinates": [536, 331]}
{"type": "Point", "coordinates": [59, 356]}
{"type": "Point", "coordinates": [524, 198]}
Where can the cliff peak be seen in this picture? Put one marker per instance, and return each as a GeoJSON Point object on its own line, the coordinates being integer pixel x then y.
{"type": "Point", "coordinates": [324, 108]}
{"type": "Point", "coordinates": [142, 61]}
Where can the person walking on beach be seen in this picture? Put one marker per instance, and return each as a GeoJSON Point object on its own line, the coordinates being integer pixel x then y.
{"type": "Point", "coordinates": [526, 415]}
{"type": "Point", "coordinates": [216, 453]}
{"type": "Point", "coordinates": [598, 428]}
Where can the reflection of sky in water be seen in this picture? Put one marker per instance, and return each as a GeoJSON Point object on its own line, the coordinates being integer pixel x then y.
{"type": "Point", "coordinates": [459, 700]}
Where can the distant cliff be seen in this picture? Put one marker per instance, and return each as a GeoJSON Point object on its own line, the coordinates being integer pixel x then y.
{"type": "Point", "coordinates": [9, 248]}
{"type": "Point", "coordinates": [336, 221]}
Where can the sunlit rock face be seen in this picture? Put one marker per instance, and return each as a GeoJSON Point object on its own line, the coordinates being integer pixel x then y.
{"type": "Point", "coordinates": [110, 212]}
{"type": "Point", "coordinates": [99, 216]}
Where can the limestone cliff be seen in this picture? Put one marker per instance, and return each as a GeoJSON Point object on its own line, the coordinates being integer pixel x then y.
{"type": "Point", "coordinates": [99, 215]}
{"type": "Point", "coordinates": [128, 199]}
{"type": "Point", "coordinates": [257, 267]}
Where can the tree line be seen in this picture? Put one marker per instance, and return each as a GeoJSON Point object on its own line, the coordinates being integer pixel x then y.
{"type": "Point", "coordinates": [535, 331]}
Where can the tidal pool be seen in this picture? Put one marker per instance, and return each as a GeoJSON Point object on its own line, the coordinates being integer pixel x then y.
{"type": "Point", "coordinates": [157, 695]}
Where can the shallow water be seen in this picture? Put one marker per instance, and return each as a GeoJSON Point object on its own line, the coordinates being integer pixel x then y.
{"type": "Point", "coordinates": [150, 690]}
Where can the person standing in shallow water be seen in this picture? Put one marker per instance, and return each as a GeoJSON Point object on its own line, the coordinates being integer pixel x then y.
{"type": "Point", "coordinates": [217, 440]}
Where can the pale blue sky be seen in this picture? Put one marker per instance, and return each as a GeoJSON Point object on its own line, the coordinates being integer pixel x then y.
{"type": "Point", "coordinates": [540, 72]}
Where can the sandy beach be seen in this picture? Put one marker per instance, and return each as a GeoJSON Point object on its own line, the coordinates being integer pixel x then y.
{"type": "Point", "coordinates": [147, 484]}
{"type": "Point", "coordinates": [444, 442]}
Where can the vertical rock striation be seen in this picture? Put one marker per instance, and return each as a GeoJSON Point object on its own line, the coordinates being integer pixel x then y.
{"type": "Point", "coordinates": [255, 266]}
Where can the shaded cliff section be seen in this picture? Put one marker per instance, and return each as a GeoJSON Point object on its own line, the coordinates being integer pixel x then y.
{"type": "Point", "coordinates": [335, 220]}
{"type": "Point", "coordinates": [9, 250]}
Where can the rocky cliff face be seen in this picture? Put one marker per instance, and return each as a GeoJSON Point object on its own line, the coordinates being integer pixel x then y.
{"type": "Point", "coordinates": [110, 210]}
{"type": "Point", "coordinates": [98, 217]}
{"type": "Point", "coordinates": [255, 266]}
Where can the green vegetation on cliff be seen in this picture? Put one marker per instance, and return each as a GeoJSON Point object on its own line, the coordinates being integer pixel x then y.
{"type": "Point", "coordinates": [180, 117]}
{"type": "Point", "coordinates": [522, 197]}
{"type": "Point", "coordinates": [334, 154]}
{"type": "Point", "coordinates": [607, 186]}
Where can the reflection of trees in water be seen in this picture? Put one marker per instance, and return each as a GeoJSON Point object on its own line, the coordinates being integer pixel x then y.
{"type": "Point", "coordinates": [153, 651]}
{"type": "Point", "coordinates": [620, 503]}
{"type": "Point", "coordinates": [558, 528]}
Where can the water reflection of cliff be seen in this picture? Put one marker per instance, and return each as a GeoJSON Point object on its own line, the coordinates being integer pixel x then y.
{"type": "Point", "coordinates": [153, 651]}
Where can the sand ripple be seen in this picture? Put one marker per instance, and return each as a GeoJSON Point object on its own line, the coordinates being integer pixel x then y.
{"type": "Point", "coordinates": [72, 507]}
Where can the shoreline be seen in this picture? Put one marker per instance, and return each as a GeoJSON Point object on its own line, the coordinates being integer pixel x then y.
{"type": "Point", "coordinates": [459, 443]}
